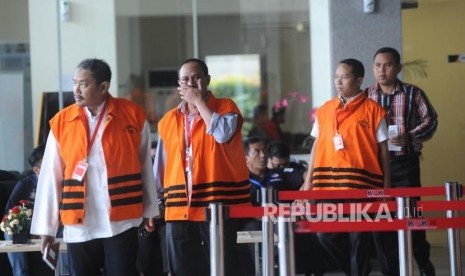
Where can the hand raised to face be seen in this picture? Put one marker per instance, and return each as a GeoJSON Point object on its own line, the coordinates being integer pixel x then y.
{"type": "Point", "coordinates": [193, 83]}
{"type": "Point", "coordinates": [192, 91]}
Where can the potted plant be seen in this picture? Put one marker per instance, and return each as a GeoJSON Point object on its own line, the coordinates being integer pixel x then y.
{"type": "Point", "coordinates": [17, 222]}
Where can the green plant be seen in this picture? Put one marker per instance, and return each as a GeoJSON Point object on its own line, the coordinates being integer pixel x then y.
{"type": "Point", "coordinates": [244, 92]}
{"type": "Point", "coordinates": [415, 69]}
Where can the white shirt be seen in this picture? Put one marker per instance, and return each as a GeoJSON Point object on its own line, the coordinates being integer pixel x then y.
{"type": "Point", "coordinates": [97, 222]}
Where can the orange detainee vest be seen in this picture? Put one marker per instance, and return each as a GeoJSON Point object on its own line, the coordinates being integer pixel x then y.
{"type": "Point", "coordinates": [121, 140]}
{"type": "Point", "coordinates": [357, 165]}
{"type": "Point", "coordinates": [219, 172]}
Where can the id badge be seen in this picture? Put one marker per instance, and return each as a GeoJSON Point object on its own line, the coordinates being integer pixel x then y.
{"type": "Point", "coordinates": [80, 170]}
{"type": "Point", "coordinates": [338, 143]}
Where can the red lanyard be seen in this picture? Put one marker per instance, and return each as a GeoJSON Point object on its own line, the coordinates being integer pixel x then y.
{"type": "Point", "coordinates": [94, 133]}
{"type": "Point", "coordinates": [188, 129]}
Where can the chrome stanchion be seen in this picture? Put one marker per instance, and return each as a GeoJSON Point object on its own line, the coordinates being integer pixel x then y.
{"type": "Point", "coordinates": [453, 235]}
{"type": "Point", "coordinates": [267, 235]}
{"type": "Point", "coordinates": [286, 246]}
{"type": "Point", "coordinates": [216, 239]}
{"type": "Point", "coordinates": [404, 239]}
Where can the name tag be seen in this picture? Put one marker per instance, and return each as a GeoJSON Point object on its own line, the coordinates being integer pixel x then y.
{"type": "Point", "coordinates": [338, 143]}
{"type": "Point", "coordinates": [80, 170]}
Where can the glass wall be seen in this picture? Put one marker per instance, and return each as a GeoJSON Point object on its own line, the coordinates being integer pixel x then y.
{"type": "Point", "coordinates": [256, 55]}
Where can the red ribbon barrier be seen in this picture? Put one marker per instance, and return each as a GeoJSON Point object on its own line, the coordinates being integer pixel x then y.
{"type": "Point", "coordinates": [345, 208]}
{"type": "Point", "coordinates": [383, 225]}
{"type": "Point", "coordinates": [362, 193]}
{"type": "Point", "coordinates": [441, 205]}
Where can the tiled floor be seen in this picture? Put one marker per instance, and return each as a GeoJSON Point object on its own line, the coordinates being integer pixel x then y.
{"type": "Point", "coordinates": [439, 257]}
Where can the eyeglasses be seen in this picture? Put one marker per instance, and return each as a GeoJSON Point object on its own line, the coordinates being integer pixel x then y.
{"type": "Point", "coordinates": [195, 78]}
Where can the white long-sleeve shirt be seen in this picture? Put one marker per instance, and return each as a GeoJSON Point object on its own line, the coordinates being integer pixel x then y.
{"type": "Point", "coordinates": [97, 224]}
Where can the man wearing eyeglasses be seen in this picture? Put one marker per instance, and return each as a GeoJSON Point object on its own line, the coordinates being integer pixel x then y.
{"type": "Point", "coordinates": [199, 160]}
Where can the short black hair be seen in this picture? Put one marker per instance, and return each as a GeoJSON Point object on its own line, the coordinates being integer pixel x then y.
{"type": "Point", "coordinates": [388, 50]}
{"type": "Point", "coordinates": [278, 149]}
{"type": "Point", "coordinates": [252, 140]}
{"type": "Point", "coordinates": [357, 67]}
{"type": "Point", "coordinates": [100, 70]}
{"type": "Point", "coordinates": [36, 155]}
{"type": "Point", "coordinates": [201, 63]}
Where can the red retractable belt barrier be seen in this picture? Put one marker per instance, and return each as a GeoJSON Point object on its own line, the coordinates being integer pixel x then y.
{"type": "Point", "coordinates": [362, 193]}
{"type": "Point", "coordinates": [335, 222]}
{"type": "Point", "coordinates": [441, 205]}
{"type": "Point", "coordinates": [383, 225]}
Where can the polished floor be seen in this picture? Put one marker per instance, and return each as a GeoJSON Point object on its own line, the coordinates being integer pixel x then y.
{"type": "Point", "coordinates": [439, 257]}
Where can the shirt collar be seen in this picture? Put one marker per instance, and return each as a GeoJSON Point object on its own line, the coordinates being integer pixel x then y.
{"type": "Point", "coordinates": [349, 99]}
{"type": "Point", "coordinates": [398, 88]}
{"type": "Point", "coordinates": [99, 109]}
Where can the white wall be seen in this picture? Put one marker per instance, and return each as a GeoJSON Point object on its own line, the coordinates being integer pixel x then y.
{"type": "Point", "coordinates": [90, 33]}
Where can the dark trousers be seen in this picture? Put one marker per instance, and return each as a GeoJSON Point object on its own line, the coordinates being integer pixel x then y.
{"type": "Point", "coordinates": [350, 251]}
{"type": "Point", "coordinates": [405, 173]}
{"type": "Point", "coordinates": [114, 256]}
{"type": "Point", "coordinates": [188, 245]}
{"type": "Point", "coordinates": [388, 251]}
{"type": "Point", "coordinates": [151, 253]}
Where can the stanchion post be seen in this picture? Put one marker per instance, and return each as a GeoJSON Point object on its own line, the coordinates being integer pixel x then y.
{"type": "Point", "coordinates": [267, 235]}
{"type": "Point", "coordinates": [453, 235]}
{"type": "Point", "coordinates": [404, 240]}
{"type": "Point", "coordinates": [286, 246]}
{"type": "Point", "coordinates": [216, 239]}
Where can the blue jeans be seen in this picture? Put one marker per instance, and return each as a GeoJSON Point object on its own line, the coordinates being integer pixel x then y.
{"type": "Point", "coordinates": [18, 261]}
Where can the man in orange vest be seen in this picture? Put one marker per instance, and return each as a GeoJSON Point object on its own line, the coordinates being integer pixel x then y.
{"type": "Point", "coordinates": [96, 177]}
{"type": "Point", "coordinates": [199, 160]}
{"type": "Point", "coordinates": [349, 152]}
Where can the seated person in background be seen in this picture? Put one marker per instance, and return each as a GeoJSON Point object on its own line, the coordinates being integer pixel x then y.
{"type": "Point", "coordinates": [280, 178]}
{"type": "Point", "coordinates": [259, 176]}
{"type": "Point", "coordinates": [25, 189]}
{"type": "Point", "coordinates": [293, 176]}
{"type": "Point", "coordinates": [279, 157]}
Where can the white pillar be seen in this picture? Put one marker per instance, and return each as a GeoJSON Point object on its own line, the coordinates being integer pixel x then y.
{"type": "Point", "coordinates": [320, 46]}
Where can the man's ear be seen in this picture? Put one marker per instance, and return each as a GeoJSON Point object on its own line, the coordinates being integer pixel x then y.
{"type": "Point", "coordinates": [104, 86]}
{"type": "Point", "coordinates": [359, 81]}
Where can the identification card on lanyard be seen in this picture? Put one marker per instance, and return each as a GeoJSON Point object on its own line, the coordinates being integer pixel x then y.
{"type": "Point", "coordinates": [188, 125]}
{"type": "Point", "coordinates": [80, 170]}
{"type": "Point", "coordinates": [82, 166]}
{"type": "Point", "coordinates": [338, 143]}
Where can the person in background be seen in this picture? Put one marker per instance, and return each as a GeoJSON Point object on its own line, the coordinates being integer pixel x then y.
{"type": "Point", "coordinates": [96, 177]}
{"type": "Point", "coordinates": [263, 126]}
{"type": "Point", "coordinates": [260, 177]}
{"type": "Point", "coordinates": [279, 156]}
{"type": "Point", "coordinates": [351, 136]}
{"type": "Point", "coordinates": [293, 175]}
{"type": "Point", "coordinates": [412, 121]}
{"type": "Point", "coordinates": [25, 189]}
{"type": "Point", "coordinates": [199, 160]}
